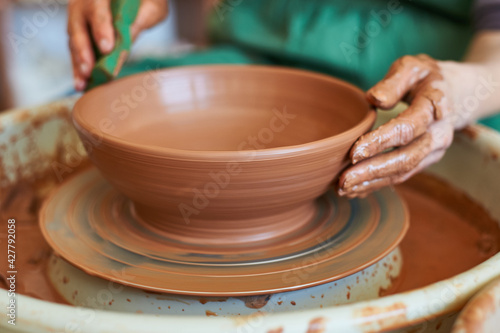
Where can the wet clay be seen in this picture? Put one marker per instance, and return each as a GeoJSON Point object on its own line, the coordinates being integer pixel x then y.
{"type": "Point", "coordinates": [22, 200]}
{"type": "Point", "coordinates": [436, 92]}
{"type": "Point", "coordinates": [210, 313]}
{"type": "Point", "coordinates": [32, 252]}
{"type": "Point", "coordinates": [418, 131]}
{"type": "Point", "coordinates": [255, 302]}
{"type": "Point", "coordinates": [210, 144]}
{"type": "Point", "coordinates": [87, 218]}
{"type": "Point", "coordinates": [449, 234]}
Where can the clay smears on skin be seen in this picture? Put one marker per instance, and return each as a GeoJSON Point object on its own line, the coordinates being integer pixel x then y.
{"type": "Point", "coordinates": [420, 132]}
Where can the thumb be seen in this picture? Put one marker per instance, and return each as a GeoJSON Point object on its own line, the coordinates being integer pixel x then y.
{"type": "Point", "coordinates": [150, 13]}
{"type": "Point", "coordinates": [402, 76]}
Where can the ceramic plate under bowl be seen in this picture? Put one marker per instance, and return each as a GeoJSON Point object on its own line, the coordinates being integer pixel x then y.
{"type": "Point", "coordinates": [93, 226]}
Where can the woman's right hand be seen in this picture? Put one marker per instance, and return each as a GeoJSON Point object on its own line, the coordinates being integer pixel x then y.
{"type": "Point", "coordinates": [91, 19]}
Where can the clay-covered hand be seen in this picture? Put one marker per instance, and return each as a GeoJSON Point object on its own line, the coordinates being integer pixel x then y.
{"type": "Point", "coordinates": [91, 19]}
{"type": "Point", "coordinates": [422, 133]}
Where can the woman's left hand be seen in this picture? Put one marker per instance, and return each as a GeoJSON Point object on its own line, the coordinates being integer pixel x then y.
{"type": "Point", "coordinates": [436, 92]}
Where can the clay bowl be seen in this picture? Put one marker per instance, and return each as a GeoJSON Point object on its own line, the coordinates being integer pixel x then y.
{"type": "Point", "coordinates": [222, 154]}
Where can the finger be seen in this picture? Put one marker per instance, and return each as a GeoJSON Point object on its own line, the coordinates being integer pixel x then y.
{"type": "Point", "coordinates": [402, 76]}
{"type": "Point", "coordinates": [368, 187]}
{"type": "Point", "coordinates": [400, 131]}
{"type": "Point", "coordinates": [360, 195]}
{"type": "Point", "coordinates": [150, 13]}
{"type": "Point", "coordinates": [399, 161]}
{"type": "Point", "coordinates": [81, 51]}
{"type": "Point", "coordinates": [101, 23]}
{"type": "Point", "coordinates": [364, 191]}
{"type": "Point", "coordinates": [78, 81]}
{"type": "Point", "coordinates": [82, 57]}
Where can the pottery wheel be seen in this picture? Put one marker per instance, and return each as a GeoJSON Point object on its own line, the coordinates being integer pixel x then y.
{"type": "Point", "coordinates": [91, 225]}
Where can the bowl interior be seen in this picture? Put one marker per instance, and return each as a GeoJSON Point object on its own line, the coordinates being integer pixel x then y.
{"type": "Point", "coordinates": [223, 108]}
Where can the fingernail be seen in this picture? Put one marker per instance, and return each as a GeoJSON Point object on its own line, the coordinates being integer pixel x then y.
{"type": "Point", "coordinates": [349, 194]}
{"type": "Point", "coordinates": [375, 97]}
{"type": "Point", "coordinates": [346, 182]}
{"type": "Point", "coordinates": [84, 68]}
{"type": "Point", "coordinates": [79, 84]}
{"type": "Point", "coordinates": [360, 154]}
{"type": "Point", "coordinates": [348, 190]}
{"type": "Point", "coordinates": [105, 45]}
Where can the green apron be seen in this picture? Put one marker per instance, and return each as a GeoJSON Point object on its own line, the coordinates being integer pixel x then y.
{"type": "Point", "coordinates": [354, 40]}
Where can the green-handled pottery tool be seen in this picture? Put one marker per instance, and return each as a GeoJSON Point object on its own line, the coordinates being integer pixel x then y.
{"type": "Point", "coordinates": [108, 66]}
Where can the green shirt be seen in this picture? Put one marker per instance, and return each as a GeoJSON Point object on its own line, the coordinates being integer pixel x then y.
{"type": "Point", "coordinates": [355, 40]}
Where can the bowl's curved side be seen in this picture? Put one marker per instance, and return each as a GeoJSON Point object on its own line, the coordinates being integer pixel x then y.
{"type": "Point", "coordinates": [189, 193]}
{"type": "Point", "coordinates": [185, 186]}
{"type": "Point", "coordinates": [101, 126]}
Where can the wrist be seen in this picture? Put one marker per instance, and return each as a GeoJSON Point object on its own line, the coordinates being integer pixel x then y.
{"type": "Point", "coordinates": [473, 90]}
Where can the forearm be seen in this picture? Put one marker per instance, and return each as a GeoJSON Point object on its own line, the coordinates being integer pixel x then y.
{"type": "Point", "coordinates": [443, 96]}
{"type": "Point", "coordinates": [480, 95]}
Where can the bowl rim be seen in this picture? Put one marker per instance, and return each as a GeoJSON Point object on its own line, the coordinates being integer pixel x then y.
{"type": "Point", "coordinates": [267, 153]}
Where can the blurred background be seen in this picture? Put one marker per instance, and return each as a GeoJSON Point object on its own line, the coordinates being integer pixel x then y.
{"type": "Point", "coordinates": [35, 64]}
